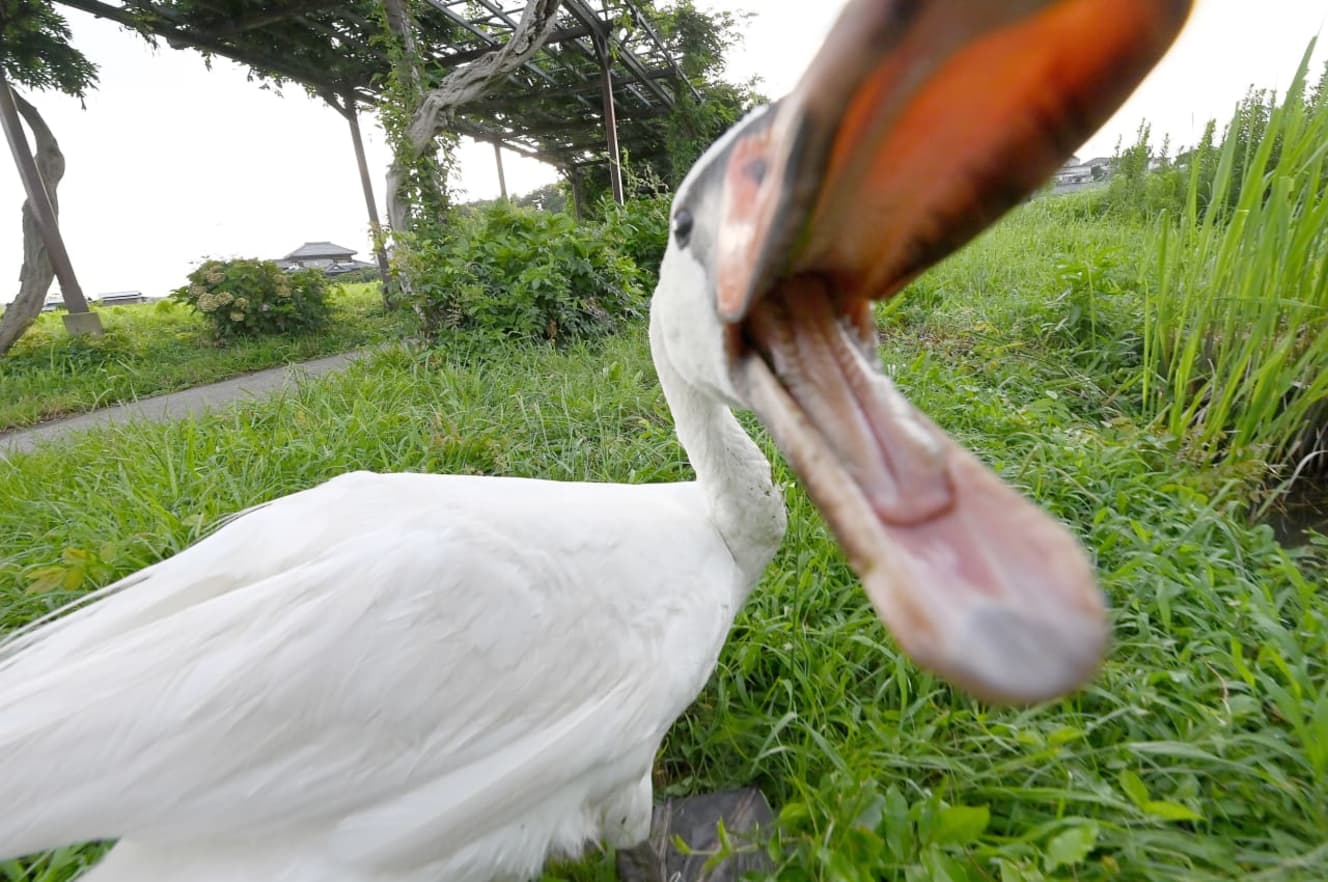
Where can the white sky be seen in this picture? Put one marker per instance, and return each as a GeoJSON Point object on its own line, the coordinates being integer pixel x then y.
{"type": "Point", "coordinates": [171, 162]}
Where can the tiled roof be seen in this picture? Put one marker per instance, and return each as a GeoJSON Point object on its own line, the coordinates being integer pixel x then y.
{"type": "Point", "coordinates": [312, 250]}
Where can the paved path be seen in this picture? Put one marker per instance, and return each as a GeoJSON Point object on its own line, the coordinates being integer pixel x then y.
{"type": "Point", "coordinates": [175, 405]}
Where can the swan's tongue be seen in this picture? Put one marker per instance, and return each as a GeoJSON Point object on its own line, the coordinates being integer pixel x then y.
{"type": "Point", "coordinates": [896, 459]}
{"type": "Point", "coordinates": [975, 581]}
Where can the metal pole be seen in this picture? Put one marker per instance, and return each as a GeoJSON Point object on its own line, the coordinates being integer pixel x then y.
{"type": "Point", "coordinates": [502, 178]}
{"type": "Point", "coordinates": [610, 117]}
{"type": "Point", "coordinates": [375, 227]}
{"type": "Point", "coordinates": [79, 320]}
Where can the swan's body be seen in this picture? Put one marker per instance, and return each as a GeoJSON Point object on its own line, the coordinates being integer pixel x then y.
{"type": "Point", "coordinates": [391, 678]}
{"type": "Point", "coordinates": [268, 706]}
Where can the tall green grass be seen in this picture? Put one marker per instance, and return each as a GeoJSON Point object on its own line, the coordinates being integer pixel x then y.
{"type": "Point", "coordinates": [1236, 317]}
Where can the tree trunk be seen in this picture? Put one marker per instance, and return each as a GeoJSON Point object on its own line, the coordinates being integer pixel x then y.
{"type": "Point", "coordinates": [37, 273]}
{"type": "Point", "coordinates": [463, 85]}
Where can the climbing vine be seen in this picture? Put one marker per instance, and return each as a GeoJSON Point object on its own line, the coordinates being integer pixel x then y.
{"type": "Point", "coordinates": [419, 196]}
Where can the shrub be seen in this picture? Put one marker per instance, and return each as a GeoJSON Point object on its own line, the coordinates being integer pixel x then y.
{"type": "Point", "coordinates": [249, 297]}
{"type": "Point", "coordinates": [365, 275]}
{"type": "Point", "coordinates": [641, 230]}
{"type": "Point", "coordinates": [518, 273]}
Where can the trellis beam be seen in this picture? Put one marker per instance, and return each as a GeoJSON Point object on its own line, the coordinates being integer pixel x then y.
{"type": "Point", "coordinates": [502, 176]}
{"type": "Point", "coordinates": [584, 14]}
{"type": "Point", "coordinates": [366, 183]}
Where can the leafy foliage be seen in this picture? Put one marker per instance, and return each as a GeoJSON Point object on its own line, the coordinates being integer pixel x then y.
{"type": "Point", "coordinates": [550, 197]}
{"type": "Point", "coordinates": [35, 50]}
{"type": "Point", "coordinates": [640, 229]}
{"type": "Point", "coordinates": [701, 41]}
{"type": "Point", "coordinates": [1146, 181]}
{"type": "Point", "coordinates": [518, 273]}
{"type": "Point", "coordinates": [246, 297]}
{"type": "Point", "coordinates": [1222, 333]}
{"type": "Point", "coordinates": [1090, 312]}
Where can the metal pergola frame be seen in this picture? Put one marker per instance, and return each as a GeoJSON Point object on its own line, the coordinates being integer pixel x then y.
{"type": "Point", "coordinates": [603, 67]}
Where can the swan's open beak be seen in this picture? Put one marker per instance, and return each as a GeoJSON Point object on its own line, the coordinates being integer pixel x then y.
{"type": "Point", "coordinates": [918, 124]}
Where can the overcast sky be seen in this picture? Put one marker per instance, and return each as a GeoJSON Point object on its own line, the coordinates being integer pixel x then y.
{"type": "Point", "coordinates": [170, 163]}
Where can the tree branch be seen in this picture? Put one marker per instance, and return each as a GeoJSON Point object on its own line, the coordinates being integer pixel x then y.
{"type": "Point", "coordinates": [472, 81]}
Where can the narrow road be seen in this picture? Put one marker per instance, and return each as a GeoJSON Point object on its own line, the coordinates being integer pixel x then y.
{"type": "Point", "coordinates": [175, 405]}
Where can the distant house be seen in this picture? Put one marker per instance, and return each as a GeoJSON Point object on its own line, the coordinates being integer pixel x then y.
{"type": "Point", "coordinates": [114, 298]}
{"type": "Point", "coordinates": [329, 257]}
{"type": "Point", "coordinates": [1101, 167]}
{"type": "Point", "coordinates": [1076, 173]}
{"type": "Point", "coordinates": [119, 298]}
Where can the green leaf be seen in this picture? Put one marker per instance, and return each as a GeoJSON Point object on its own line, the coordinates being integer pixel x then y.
{"type": "Point", "coordinates": [1134, 787]}
{"type": "Point", "coordinates": [961, 824]}
{"type": "Point", "coordinates": [1066, 734]}
{"type": "Point", "coordinates": [76, 556]}
{"type": "Point", "coordinates": [1170, 811]}
{"type": "Point", "coordinates": [46, 579]}
{"type": "Point", "coordinates": [1013, 873]}
{"type": "Point", "coordinates": [1070, 847]}
{"type": "Point", "coordinates": [74, 578]}
{"type": "Point", "coordinates": [898, 826]}
{"type": "Point", "coordinates": [943, 868]}
{"type": "Point", "coordinates": [871, 815]}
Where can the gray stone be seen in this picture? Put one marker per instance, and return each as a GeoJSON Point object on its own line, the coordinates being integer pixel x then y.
{"type": "Point", "coordinates": [747, 817]}
{"type": "Point", "coordinates": [80, 323]}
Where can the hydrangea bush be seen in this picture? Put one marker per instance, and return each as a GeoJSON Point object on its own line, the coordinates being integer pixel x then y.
{"type": "Point", "coordinates": [250, 297]}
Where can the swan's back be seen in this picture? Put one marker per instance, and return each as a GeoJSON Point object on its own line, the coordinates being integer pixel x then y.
{"type": "Point", "coordinates": [369, 679]}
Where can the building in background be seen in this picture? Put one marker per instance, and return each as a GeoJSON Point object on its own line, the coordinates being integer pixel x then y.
{"type": "Point", "coordinates": [332, 259]}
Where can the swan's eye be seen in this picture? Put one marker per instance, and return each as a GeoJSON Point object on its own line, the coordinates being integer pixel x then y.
{"type": "Point", "coordinates": [682, 227]}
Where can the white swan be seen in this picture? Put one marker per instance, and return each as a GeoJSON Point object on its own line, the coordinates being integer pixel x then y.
{"type": "Point", "coordinates": [401, 677]}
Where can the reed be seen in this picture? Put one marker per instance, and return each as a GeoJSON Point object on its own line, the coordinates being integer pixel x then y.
{"type": "Point", "coordinates": [1236, 309]}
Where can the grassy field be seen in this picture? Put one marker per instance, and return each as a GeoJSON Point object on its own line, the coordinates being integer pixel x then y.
{"type": "Point", "coordinates": [1200, 753]}
{"type": "Point", "coordinates": [161, 347]}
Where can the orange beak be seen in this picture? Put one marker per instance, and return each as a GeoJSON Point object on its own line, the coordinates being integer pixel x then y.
{"type": "Point", "coordinates": [918, 124]}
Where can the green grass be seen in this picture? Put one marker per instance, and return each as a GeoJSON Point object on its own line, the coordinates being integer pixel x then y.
{"type": "Point", "coordinates": [153, 348]}
{"type": "Point", "coordinates": [1237, 317]}
{"type": "Point", "coordinates": [1199, 753]}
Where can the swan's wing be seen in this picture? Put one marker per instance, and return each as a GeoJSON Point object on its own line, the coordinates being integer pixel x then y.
{"type": "Point", "coordinates": [410, 685]}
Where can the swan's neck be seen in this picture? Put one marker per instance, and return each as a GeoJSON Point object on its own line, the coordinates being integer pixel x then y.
{"type": "Point", "coordinates": [731, 471]}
